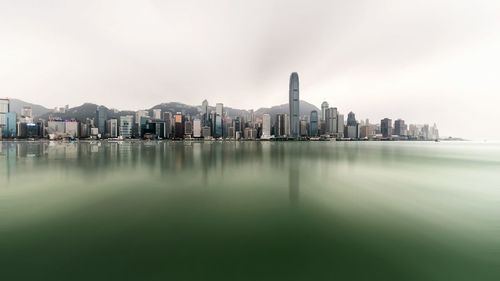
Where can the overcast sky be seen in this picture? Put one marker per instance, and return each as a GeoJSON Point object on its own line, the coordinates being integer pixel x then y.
{"type": "Point", "coordinates": [424, 61]}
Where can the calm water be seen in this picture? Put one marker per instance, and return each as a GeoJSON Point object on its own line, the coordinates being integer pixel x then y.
{"type": "Point", "coordinates": [250, 211]}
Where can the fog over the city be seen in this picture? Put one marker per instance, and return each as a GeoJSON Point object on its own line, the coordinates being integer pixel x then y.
{"type": "Point", "coordinates": [424, 61]}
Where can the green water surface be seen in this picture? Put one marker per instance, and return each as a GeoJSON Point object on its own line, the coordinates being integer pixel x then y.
{"type": "Point", "coordinates": [250, 211]}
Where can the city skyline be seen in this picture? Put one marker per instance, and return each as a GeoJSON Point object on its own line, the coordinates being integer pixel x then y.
{"type": "Point", "coordinates": [431, 60]}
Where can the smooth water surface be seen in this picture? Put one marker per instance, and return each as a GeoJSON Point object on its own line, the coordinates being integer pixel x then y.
{"type": "Point", "coordinates": [249, 211]}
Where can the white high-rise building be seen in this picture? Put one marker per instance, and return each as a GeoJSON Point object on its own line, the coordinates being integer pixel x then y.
{"type": "Point", "coordinates": [287, 125]}
{"type": "Point", "coordinates": [157, 114]}
{"type": "Point", "coordinates": [197, 133]}
{"type": "Point", "coordinates": [126, 123]}
{"type": "Point", "coordinates": [266, 126]}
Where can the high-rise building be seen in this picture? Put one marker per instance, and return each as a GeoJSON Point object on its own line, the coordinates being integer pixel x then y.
{"type": "Point", "coordinates": [167, 117]}
{"type": "Point", "coordinates": [313, 124]}
{"type": "Point", "coordinates": [219, 109]}
{"type": "Point", "coordinates": [386, 128]}
{"type": "Point", "coordinates": [340, 126]}
{"type": "Point", "coordinates": [331, 121]}
{"type": "Point", "coordinates": [352, 126]}
{"type": "Point", "coordinates": [179, 125]}
{"type": "Point", "coordinates": [279, 127]}
{"type": "Point", "coordinates": [204, 113]}
{"type": "Point", "coordinates": [126, 123]}
{"type": "Point", "coordinates": [287, 125]}
{"type": "Point", "coordinates": [324, 107]}
{"type": "Point", "coordinates": [100, 119]}
{"type": "Point", "coordinates": [4, 109]}
{"type": "Point", "coordinates": [188, 128]}
{"type": "Point", "coordinates": [112, 127]}
{"type": "Point", "coordinates": [266, 126]}
{"type": "Point", "coordinates": [400, 128]}
{"type": "Point", "coordinates": [294, 102]}
{"type": "Point", "coordinates": [11, 128]}
{"type": "Point", "coordinates": [157, 114]}
{"type": "Point", "coordinates": [303, 128]}
{"type": "Point", "coordinates": [197, 128]}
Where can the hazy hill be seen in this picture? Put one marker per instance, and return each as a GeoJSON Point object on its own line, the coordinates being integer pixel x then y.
{"type": "Point", "coordinates": [17, 105]}
{"type": "Point", "coordinates": [88, 110]}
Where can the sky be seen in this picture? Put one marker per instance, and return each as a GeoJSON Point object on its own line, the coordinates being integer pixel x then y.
{"type": "Point", "coordinates": [426, 61]}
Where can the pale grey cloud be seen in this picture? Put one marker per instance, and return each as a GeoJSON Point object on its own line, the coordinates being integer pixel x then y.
{"type": "Point", "coordinates": [424, 61]}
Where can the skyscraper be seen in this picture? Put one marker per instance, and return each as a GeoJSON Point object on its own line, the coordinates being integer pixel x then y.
{"type": "Point", "coordinates": [204, 113]}
{"type": "Point", "coordinates": [279, 127]}
{"type": "Point", "coordinates": [400, 127]}
{"type": "Point", "coordinates": [167, 117]}
{"type": "Point", "coordinates": [331, 121]}
{"type": "Point", "coordinates": [294, 105]}
{"type": "Point", "coordinates": [100, 120]}
{"type": "Point", "coordinates": [157, 114]}
{"type": "Point", "coordinates": [197, 128]}
{"type": "Point", "coordinates": [386, 128]}
{"type": "Point", "coordinates": [4, 109]}
{"type": "Point", "coordinates": [126, 123]}
{"type": "Point", "coordinates": [324, 107]}
{"type": "Point", "coordinates": [219, 108]}
{"type": "Point", "coordinates": [266, 126]}
{"type": "Point", "coordinates": [179, 125]}
{"type": "Point", "coordinates": [352, 126]}
{"type": "Point", "coordinates": [313, 124]}
{"type": "Point", "coordinates": [112, 125]}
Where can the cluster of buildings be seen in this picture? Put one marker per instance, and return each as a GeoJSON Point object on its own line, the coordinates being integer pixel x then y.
{"type": "Point", "coordinates": [215, 123]}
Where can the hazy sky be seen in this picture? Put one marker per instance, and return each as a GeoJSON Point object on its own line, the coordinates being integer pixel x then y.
{"type": "Point", "coordinates": [425, 61]}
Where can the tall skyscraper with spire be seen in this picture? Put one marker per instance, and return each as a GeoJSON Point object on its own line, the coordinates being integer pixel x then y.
{"type": "Point", "coordinates": [294, 105]}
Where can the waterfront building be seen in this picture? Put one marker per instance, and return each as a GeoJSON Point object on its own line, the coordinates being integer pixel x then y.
{"type": "Point", "coordinates": [331, 121]}
{"type": "Point", "coordinates": [10, 130]}
{"type": "Point", "coordinates": [84, 130]}
{"type": "Point", "coordinates": [157, 114]}
{"type": "Point", "coordinates": [126, 123]}
{"type": "Point", "coordinates": [294, 102]}
{"type": "Point", "coordinates": [386, 128]}
{"type": "Point", "coordinates": [352, 129]}
{"type": "Point", "coordinates": [206, 132]}
{"type": "Point", "coordinates": [100, 119]}
{"type": "Point", "coordinates": [313, 124]}
{"type": "Point", "coordinates": [178, 126]}
{"type": "Point", "coordinates": [188, 128]}
{"type": "Point", "coordinates": [367, 131]}
{"type": "Point", "coordinates": [250, 133]}
{"type": "Point", "coordinates": [204, 113]}
{"type": "Point", "coordinates": [287, 125]}
{"type": "Point", "coordinates": [219, 108]}
{"type": "Point", "coordinates": [340, 125]}
{"type": "Point", "coordinates": [324, 108]}
{"type": "Point", "coordinates": [167, 118]}
{"type": "Point", "coordinates": [303, 128]}
{"type": "Point", "coordinates": [400, 127]}
{"type": "Point", "coordinates": [197, 128]}
{"type": "Point", "coordinates": [266, 126]}
{"type": "Point", "coordinates": [71, 129]}
{"type": "Point", "coordinates": [112, 127]}
{"type": "Point", "coordinates": [4, 109]}
{"type": "Point", "coordinates": [279, 127]}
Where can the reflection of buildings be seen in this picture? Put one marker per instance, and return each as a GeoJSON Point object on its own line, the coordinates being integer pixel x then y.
{"type": "Point", "coordinates": [294, 184]}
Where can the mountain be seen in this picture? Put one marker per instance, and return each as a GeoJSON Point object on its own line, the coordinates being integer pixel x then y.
{"type": "Point", "coordinates": [305, 108]}
{"type": "Point", "coordinates": [88, 110]}
{"type": "Point", "coordinates": [17, 105]}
